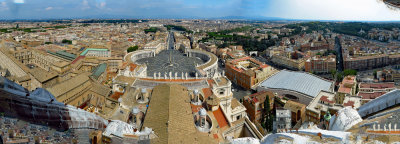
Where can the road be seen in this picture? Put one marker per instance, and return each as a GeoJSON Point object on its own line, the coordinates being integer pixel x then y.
{"type": "Point", "coordinates": [339, 56]}
{"type": "Point", "coordinates": [171, 41]}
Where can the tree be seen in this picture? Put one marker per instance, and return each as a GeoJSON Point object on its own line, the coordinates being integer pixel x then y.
{"type": "Point", "coordinates": [333, 73]}
{"type": "Point", "coordinates": [268, 122]}
{"type": "Point", "coordinates": [66, 41]}
{"type": "Point", "coordinates": [132, 48]}
{"type": "Point", "coordinates": [347, 72]}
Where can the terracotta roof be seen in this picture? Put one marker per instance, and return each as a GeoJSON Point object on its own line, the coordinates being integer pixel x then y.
{"type": "Point", "coordinates": [116, 95]}
{"type": "Point", "coordinates": [349, 103]}
{"type": "Point", "coordinates": [377, 85]}
{"type": "Point", "coordinates": [344, 89]}
{"type": "Point", "coordinates": [373, 95]}
{"type": "Point", "coordinates": [325, 99]}
{"type": "Point", "coordinates": [132, 67]}
{"type": "Point", "coordinates": [207, 92]}
{"type": "Point", "coordinates": [219, 116]}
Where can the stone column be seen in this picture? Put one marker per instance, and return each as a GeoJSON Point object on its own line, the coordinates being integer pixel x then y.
{"type": "Point", "coordinates": [176, 75]}
{"type": "Point", "coordinates": [373, 127]}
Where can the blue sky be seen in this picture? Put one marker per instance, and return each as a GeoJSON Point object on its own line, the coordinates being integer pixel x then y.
{"type": "Point", "coordinates": [364, 10]}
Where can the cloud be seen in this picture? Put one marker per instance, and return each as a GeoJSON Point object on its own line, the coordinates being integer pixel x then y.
{"type": "Point", "coordinates": [365, 10]}
{"type": "Point", "coordinates": [3, 6]}
{"type": "Point", "coordinates": [19, 1]}
{"type": "Point", "coordinates": [101, 5]}
{"type": "Point", "coordinates": [49, 8]}
{"type": "Point", "coordinates": [85, 5]}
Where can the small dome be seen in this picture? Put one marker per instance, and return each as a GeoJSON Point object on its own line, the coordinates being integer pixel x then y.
{"type": "Point", "coordinates": [144, 90]}
{"type": "Point", "coordinates": [202, 112]}
{"type": "Point", "coordinates": [120, 100]}
{"type": "Point", "coordinates": [196, 92]}
{"type": "Point", "coordinates": [135, 110]}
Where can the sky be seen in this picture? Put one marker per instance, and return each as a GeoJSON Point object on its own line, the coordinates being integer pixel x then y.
{"type": "Point", "coordinates": [342, 10]}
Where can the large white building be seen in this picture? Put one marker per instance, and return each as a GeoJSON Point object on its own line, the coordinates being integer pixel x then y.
{"type": "Point", "coordinates": [297, 86]}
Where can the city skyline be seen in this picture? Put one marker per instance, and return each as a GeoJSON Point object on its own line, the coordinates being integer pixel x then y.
{"type": "Point", "coordinates": [339, 10]}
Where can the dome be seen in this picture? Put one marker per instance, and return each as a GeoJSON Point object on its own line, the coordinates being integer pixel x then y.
{"type": "Point", "coordinates": [196, 92]}
{"type": "Point", "coordinates": [120, 100]}
{"type": "Point", "coordinates": [144, 91]}
{"type": "Point", "coordinates": [135, 110]}
{"type": "Point", "coordinates": [344, 119]}
{"type": "Point", "coordinates": [202, 112]}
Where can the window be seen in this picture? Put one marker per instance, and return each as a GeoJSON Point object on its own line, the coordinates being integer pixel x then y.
{"type": "Point", "coordinates": [238, 117]}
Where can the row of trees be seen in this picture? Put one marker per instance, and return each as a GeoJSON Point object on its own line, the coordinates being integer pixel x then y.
{"type": "Point", "coordinates": [341, 75]}
{"type": "Point", "coordinates": [248, 43]}
{"type": "Point", "coordinates": [132, 48]}
{"type": "Point", "coordinates": [267, 118]}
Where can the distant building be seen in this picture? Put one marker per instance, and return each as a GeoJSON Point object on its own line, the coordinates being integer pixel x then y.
{"type": "Point", "coordinates": [297, 86]}
{"type": "Point", "coordinates": [320, 105]}
{"type": "Point", "coordinates": [255, 104]}
{"type": "Point", "coordinates": [283, 120]}
{"type": "Point", "coordinates": [298, 111]}
{"type": "Point", "coordinates": [96, 52]}
{"type": "Point", "coordinates": [347, 87]}
{"type": "Point", "coordinates": [284, 61]}
{"type": "Point", "coordinates": [247, 72]}
{"type": "Point", "coordinates": [320, 64]}
{"type": "Point", "coordinates": [81, 91]}
{"type": "Point", "coordinates": [370, 91]}
{"type": "Point", "coordinates": [370, 62]}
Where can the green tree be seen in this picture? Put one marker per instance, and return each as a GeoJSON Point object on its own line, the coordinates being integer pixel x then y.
{"type": "Point", "coordinates": [268, 122]}
{"type": "Point", "coordinates": [65, 41]}
{"type": "Point", "coordinates": [333, 73]}
{"type": "Point", "coordinates": [347, 72]}
{"type": "Point", "coordinates": [375, 74]}
{"type": "Point", "coordinates": [339, 77]}
{"type": "Point", "coordinates": [132, 48]}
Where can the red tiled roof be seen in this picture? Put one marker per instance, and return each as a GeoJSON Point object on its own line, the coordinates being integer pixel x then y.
{"type": "Point", "coordinates": [116, 95]}
{"type": "Point", "coordinates": [207, 92]}
{"type": "Point", "coordinates": [255, 100]}
{"type": "Point", "coordinates": [195, 108]}
{"type": "Point", "coordinates": [373, 95]}
{"type": "Point", "coordinates": [215, 136]}
{"type": "Point", "coordinates": [325, 99]}
{"type": "Point", "coordinates": [132, 66]}
{"type": "Point", "coordinates": [377, 85]}
{"type": "Point", "coordinates": [219, 116]}
{"type": "Point", "coordinates": [77, 59]}
{"type": "Point", "coordinates": [344, 89]}
{"type": "Point", "coordinates": [349, 103]}
{"type": "Point", "coordinates": [210, 82]}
